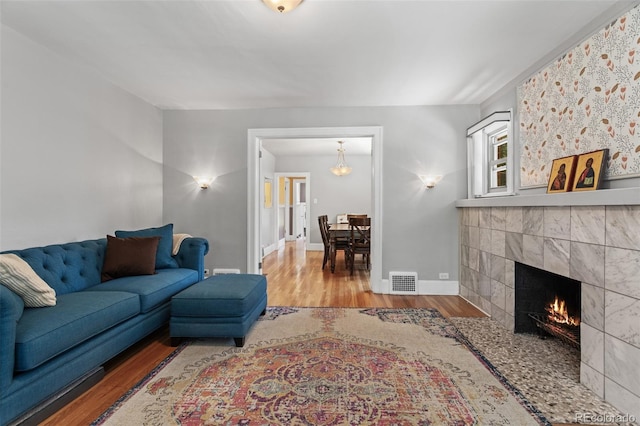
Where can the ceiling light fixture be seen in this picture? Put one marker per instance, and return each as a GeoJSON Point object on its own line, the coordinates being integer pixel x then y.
{"type": "Point", "coordinates": [341, 168]}
{"type": "Point", "coordinates": [282, 6]}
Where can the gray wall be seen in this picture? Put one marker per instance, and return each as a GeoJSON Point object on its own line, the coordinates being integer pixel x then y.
{"type": "Point", "coordinates": [419, 226]}
{"type": "Point", "coordinates": [80, 157]}
{"type": "Point", "coordinates": [334, 195]}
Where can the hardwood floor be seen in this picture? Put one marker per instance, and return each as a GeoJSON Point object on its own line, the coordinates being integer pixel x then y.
{"type": "Point", "coordinates": [295, 278]}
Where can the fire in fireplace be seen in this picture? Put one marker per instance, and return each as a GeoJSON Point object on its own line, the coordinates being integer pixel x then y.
{"type": "Point", "coordinates": [558, 313]}
{"type": "Point", "coordinates": [558, 323]}
{"type": "Point", "coordinates": [547, 303]}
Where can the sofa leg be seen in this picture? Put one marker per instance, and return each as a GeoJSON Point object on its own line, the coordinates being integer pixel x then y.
{"type": "Point", "coordinates": [175, 341]}
{"type": "Point", "coordinates": [239, 341]}
{"type": "Point", "coordinates": [264, 312]}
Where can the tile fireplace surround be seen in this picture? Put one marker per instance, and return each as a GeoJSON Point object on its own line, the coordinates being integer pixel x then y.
{"type": "Point", "coordinates": [598, 245]}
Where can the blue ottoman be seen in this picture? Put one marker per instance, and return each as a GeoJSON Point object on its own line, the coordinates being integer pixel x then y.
{"type": "Point", "coordinates": [219, 306]}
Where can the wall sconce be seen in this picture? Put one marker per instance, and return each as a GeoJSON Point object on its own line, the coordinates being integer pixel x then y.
{"type": "Point", "coordinates": [430, 180]}
{"type": "Point", "coordinates": [203, 181]}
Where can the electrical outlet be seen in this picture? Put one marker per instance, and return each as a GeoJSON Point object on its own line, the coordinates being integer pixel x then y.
{"type": "Point", "coordinates": [206, 272]}
{"type": "Point", "coordinates": [443, 275]}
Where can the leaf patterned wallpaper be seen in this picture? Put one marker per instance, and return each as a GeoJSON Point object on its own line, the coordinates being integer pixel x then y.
{"type": "Point", "coordinates": [588, 99]}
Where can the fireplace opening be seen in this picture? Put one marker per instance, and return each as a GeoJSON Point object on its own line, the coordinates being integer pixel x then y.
{"type": "Point", "coordinates": [547, 303]}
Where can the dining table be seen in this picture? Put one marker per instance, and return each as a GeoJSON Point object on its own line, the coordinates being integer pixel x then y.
{"type": "Point", "coordinates": [336, 231]}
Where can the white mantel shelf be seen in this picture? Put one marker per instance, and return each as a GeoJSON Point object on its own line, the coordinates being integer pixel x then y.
{"type": "Point", "coordinates": [602, 197]}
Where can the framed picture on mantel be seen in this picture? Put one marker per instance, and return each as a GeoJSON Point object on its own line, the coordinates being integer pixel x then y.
{"type": "Point", "coordinates": [562, 172]}
{"type": "Point", "coordinates": [589, 170]}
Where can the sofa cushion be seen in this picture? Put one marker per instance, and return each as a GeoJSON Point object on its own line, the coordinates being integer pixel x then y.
{"type": "Point", "coordinates": [125, 257]}
{"type": "Point", "coordinates": [165, 246]}
{"type": "Point", "coordinates": [17, 275]}
{"type": "Point", "coordinates": [153, 290]}
{"type": "Point", "coordinates": [43, 333]}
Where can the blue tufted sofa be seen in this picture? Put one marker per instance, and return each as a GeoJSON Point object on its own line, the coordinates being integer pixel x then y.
{"type": "Point", "coordinates": [45, 350]}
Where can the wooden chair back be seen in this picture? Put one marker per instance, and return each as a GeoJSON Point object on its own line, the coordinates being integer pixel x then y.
{"type": "Point", "coordinates": [360, 232]}
{"type": "Point", "coordinates": [359, 240]}
{"type": "Point", "coordinates": [323, 223]}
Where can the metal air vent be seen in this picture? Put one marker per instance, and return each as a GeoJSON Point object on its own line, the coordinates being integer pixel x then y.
{"type": "Point", "coordinates": [403, 282]}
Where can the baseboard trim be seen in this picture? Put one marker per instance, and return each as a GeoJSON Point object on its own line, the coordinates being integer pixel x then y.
{"type": "Point", "coordinates": [269, 249]}
{"type": "Point", "coordinates": [438, 288]}
{"type": "Point", "coordinates": [429, 288]}
{"type": "Point", "coordinates": [476, 306]}
{"type": "Point", "coordinates": [56, 402]}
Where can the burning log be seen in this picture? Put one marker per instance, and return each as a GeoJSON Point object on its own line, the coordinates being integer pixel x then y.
{"type": "Point", "coordinates": [558, 313]}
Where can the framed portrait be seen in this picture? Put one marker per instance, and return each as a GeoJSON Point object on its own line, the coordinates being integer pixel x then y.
{"type": "Point", "coordinates": [562, 172]}
{"type": "Point", "coordinates": [589, 170]}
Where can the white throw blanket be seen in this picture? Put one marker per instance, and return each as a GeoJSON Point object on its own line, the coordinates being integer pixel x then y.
{"type": "Point", "coordinates": [177, 240]}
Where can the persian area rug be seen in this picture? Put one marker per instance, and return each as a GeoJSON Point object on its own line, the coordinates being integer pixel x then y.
{"type": "Point", "coordinates": [329, 366]}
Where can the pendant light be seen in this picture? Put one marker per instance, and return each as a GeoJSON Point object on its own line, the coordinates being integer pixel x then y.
{"type": "Point", "coordinates": [341, 168]}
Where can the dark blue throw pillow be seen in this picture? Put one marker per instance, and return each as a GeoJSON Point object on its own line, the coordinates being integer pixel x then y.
{"type": "Point", "coordinates": [163, 255]}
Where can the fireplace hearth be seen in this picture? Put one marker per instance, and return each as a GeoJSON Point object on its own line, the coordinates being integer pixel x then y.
{"type": "Point", "coordinates": [547, 303]}
{"type": "Point", "coordinates": [594, 243]}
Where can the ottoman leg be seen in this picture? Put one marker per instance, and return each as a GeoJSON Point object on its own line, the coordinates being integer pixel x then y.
{"type": "Point", "coordinates": [239, 341]}
{"type": "Point", "coordinates": [175, 341]}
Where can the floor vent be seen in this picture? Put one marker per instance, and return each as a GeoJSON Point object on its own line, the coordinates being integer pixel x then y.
{"type": "Point", "coordinates": [403, 282]}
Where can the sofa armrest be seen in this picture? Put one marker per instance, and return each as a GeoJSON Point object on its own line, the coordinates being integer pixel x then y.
{"type": "Point", "coordinates": [11, 308]}
{"type": "Point", "coordinates": [191, 254]}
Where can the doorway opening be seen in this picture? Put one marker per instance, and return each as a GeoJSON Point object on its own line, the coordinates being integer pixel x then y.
{"type": "Point", "coordinates": [256, 191]}
{"type": "Point", "coordinates": [289, 220]}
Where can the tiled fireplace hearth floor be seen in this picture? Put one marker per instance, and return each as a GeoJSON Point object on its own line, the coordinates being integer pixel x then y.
{"type": "Point", "coordinates": [547, 372]}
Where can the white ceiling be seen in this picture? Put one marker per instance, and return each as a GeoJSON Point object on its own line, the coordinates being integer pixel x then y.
{"type": "Point", "coordinates": [317, 146]}
{"type": "Point", "coordinates": [227, 54]}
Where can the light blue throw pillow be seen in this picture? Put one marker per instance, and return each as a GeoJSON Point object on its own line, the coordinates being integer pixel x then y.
{"type": "Point", "coordinates": [163, 255]}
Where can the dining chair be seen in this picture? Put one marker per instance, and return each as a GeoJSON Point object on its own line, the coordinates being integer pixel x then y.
{"type": "Point", "coordinates": [359, 240]}
{"type": "Point", "coordinates": [322, 223]}
{"type": "Point", "coordinates": [339, 243]}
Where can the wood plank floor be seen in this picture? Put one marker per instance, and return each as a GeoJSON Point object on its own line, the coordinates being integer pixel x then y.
{"type": "Point", "coordinates": [295, 278]}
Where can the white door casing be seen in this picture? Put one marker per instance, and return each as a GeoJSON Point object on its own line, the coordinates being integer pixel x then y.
{"type": "Point", "coordinates": [254, 140]}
